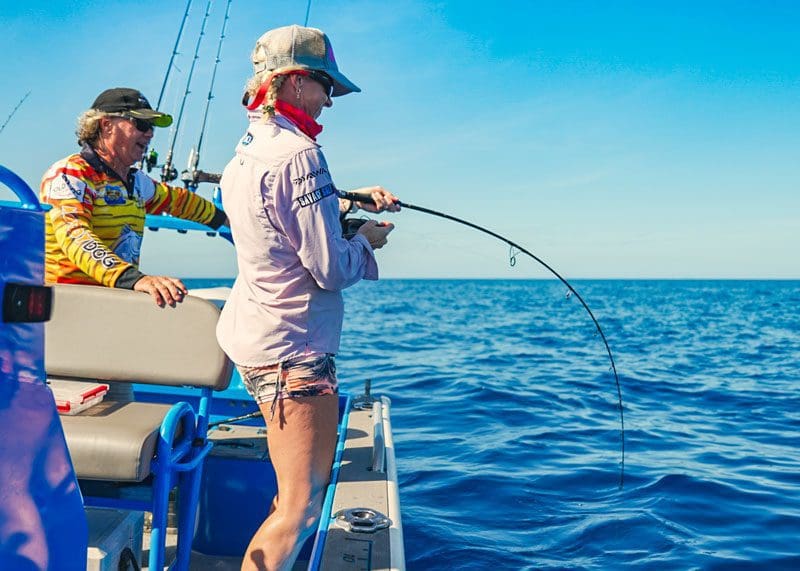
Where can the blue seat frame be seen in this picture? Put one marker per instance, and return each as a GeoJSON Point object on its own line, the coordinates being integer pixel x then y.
{"type": "Point", "coordinates": [181, 449]}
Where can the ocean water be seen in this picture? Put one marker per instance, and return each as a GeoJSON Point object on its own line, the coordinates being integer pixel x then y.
{"type": "Point", "coordinates": [507, 429]}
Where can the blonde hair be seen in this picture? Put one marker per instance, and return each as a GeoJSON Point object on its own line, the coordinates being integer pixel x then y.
{"type": "Point", "coordinates": [88, 130]}
{"type": "Point", "coordinates": [275, 83]}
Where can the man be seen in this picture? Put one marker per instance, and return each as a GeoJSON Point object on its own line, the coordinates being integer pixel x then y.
{"type": "Point", "coordinates": [94, 230]}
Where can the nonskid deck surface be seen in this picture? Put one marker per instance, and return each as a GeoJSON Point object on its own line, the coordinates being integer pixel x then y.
{"type": "Point", "coordinates": [200, 561]}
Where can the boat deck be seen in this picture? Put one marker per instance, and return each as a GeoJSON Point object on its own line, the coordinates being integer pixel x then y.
{"type": "Point", "coordinates": [364, 480]}
{"type": "Point", "coordinates": [199, 561]}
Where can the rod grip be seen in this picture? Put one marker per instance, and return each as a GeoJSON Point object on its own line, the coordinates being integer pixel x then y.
{"type": "Point", "coordinates": [355, 197]}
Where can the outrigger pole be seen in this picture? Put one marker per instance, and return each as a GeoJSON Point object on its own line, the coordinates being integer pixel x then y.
{"type": "Point", "coordinates": [192, 176]}
{"type": "Point", "coordinates": [168, 172]}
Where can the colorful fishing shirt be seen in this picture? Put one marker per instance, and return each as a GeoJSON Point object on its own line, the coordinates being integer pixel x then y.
{"type": "Point", "coordinates": [93, 232]}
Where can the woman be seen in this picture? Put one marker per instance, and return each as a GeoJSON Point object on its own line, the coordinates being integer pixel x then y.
{"type": "Point", "coordinates": [282, 322]}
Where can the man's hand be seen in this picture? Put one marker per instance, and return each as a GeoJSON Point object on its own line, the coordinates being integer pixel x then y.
{"type": "Point", "coordinates": [162, 289]}
{"type": "Point", "coordinates": [384, 200]}
{"type": "Point", "coordinates": [376, 232]}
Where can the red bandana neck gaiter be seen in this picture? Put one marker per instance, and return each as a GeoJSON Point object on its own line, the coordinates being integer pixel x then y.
{"type": "Point", "coordinates": [300, 118]}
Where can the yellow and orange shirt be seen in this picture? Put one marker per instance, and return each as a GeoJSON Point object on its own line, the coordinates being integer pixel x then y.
{"type": "Point", "coordinates": [93, 232]}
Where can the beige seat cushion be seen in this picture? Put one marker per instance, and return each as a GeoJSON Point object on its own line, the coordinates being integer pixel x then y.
{"type": "Point", "coordinates": [114, 440]}
{"type": "Point", "coordinates": [134, 340]}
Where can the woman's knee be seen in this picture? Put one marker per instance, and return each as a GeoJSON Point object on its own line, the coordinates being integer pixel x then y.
{"type": "Point", "coordinates": [302, 516]}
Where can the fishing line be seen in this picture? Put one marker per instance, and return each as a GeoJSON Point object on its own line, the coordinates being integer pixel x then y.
{"type": "Point", "coordinates": [514, 250]}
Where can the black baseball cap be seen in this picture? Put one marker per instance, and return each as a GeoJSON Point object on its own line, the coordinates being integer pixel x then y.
{"type": "Point", "coordinates": [132, 103]}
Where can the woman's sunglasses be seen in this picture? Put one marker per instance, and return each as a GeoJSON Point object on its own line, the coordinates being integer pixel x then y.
{"type": "Point", "coordinates": [324, 80]}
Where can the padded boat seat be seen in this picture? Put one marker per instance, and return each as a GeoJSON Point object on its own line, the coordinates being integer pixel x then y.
{"type": "Point", "coordinates": [120, 337]}
{"type": "Point", "coordinates": [114, 440]}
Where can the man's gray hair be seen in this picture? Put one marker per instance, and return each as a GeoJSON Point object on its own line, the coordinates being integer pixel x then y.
{"type": "Point", "coordinates": [88, 130]}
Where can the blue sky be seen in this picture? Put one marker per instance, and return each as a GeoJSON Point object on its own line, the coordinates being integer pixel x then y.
{"type": "Point", "coordinates": [613, 139]}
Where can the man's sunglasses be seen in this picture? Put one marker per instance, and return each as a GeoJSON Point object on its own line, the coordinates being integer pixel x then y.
{"type": "Point", "coordinates": [142, 125]}
{"type": "Point", "coordinates": [324, 80]}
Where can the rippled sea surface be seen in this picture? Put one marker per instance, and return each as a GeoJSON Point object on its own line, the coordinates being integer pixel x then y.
{"type": "Point", "coordinates": [507, 426]}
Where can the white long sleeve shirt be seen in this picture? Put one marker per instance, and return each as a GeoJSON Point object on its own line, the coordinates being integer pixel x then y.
{"type": "Point", "coordinates": [293, 262]}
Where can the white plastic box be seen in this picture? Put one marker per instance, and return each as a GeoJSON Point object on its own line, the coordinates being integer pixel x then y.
{"type": "Point", "coordinates": [110, 533]}
{"type": "Point", "coordinates": [73, 397]}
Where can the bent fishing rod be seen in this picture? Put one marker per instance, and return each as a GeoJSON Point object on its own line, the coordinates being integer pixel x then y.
{"type": "Point", "coordinates": [368, 200]}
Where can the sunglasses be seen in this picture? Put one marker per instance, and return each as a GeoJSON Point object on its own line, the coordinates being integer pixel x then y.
{"type": "Point", "coordinates": [324, 80]}
{"type": "Point", "coordinates": [142, 125]}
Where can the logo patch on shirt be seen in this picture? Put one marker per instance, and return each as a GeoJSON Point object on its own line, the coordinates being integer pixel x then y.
{"type": "Point", "coordinates": [310, 176]}
{"type": "Point", "coordinates": [66, 186]}
{"type": "Point", "coordinates": [248, 138]}
{"type": "Point", "coordinates": [114, 195]}
{"type": "Point", "coordinates": [316, 195]}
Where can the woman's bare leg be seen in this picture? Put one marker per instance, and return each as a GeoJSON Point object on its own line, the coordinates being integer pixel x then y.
{"type": "Point", "coordinates": [302, 442]}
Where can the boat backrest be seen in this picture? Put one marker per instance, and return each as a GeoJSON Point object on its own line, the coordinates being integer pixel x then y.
{"type": "Point", "coordinates": [106, 334]}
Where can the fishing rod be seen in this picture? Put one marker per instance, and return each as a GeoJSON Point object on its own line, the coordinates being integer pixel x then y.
{"type": "Point", "coordinates": [13, 111]}
{"type": "Point", "coordinates": [192, 176]}
{"type": "Point", "coordinates": [235, 419]}
{"type": "Point", "coordinates": [150, 159]}
{"type": "Point", "coordinates": [168, 172]}
{"type": "Point", "coordinates": [368, 200]}
{"type": "Point", "coordinates": [308, 11]}
{"type": "Point", "coordinates": [174, 53]}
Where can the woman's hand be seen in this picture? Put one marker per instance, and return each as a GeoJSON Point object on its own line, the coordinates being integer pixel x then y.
{"type": "Point", "coordinates": [384, 200]}
{"type": "Point", "coordinates": [162, 289]}
{"type": "Point", "coordinates": [376, 232]}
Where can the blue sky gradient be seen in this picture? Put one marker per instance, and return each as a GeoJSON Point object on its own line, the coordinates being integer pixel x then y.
{"type": "Point", "coordinates": [613, 139]}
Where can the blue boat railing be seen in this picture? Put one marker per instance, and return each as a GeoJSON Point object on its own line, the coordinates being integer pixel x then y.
{"type": "Point", "coordinates": [26, 195]}
{"type": "Point", "coordinates": [155, 222]}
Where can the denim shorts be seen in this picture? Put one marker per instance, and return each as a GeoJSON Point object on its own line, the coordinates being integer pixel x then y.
{"type": "Point", "coordinates": [305, 376]}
